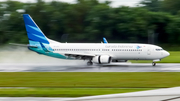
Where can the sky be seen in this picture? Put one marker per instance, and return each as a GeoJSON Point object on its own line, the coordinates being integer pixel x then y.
{"type": "Point", "coordinates": [115, 3]}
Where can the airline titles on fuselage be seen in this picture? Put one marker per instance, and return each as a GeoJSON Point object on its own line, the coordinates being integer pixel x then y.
{"type": "Point", "coordinates": [118, 46]}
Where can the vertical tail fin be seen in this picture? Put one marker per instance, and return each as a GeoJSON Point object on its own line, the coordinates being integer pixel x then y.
{"type": "Point", "coordinates": [33, 31]}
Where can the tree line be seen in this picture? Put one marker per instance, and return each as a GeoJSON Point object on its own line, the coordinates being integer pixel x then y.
{"type": "Point", "coordinates": [151, 21]}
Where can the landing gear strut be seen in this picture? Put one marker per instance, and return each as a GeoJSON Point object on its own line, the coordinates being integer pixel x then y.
{"type": "Point", "coordinates": [153, 64]}
{"type": "Point", "coordinates": [89, 63]}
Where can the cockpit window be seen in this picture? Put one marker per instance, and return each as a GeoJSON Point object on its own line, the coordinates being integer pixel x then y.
{"type": "Point", "coordinates": [159, 49]}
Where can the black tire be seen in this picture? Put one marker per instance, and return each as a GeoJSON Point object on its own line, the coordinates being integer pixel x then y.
{"type": "Point", "coordinates": [89, 63]}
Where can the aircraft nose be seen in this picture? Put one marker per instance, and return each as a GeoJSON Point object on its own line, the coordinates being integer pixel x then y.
{"type": "Point", "coordinates": [166, 53]}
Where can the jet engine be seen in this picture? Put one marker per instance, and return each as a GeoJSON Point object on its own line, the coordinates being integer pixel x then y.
{"type": "Point", "coordinates": [102, 59]}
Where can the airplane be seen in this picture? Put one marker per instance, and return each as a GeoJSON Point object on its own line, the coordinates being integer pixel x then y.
{"type": "Point", "coordinates": [98, 53]}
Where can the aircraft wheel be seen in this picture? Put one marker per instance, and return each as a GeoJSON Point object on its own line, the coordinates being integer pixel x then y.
{"type": "Point", "coordinates": [89, 63]}
{"type": "Point", "coordinates": [153, 64]}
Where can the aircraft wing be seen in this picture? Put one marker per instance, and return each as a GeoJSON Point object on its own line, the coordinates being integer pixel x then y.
{"type": "Point", "coordinates": [80, 55]}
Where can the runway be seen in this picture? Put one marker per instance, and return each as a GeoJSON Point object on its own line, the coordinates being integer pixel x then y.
{"type": "Point", "coordinates": [23, 60]}
{"type": "Point", "coordinates": [122, 67]}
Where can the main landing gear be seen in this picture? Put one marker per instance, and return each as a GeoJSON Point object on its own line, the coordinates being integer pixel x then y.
{"type": "Point", "coordinates": [153, 64]}
{"type": "Point", "coordinates": [89, 63]}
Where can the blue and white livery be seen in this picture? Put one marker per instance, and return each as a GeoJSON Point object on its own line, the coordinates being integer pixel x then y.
{"type": "Point", "coordinates": [100, 53]}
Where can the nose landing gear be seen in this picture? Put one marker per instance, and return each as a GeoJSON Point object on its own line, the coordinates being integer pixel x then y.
{"type": "Point", "coordinates": [153, 64]}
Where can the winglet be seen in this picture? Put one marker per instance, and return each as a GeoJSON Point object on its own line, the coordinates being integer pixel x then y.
{"type": "Point", "coordinates": [104, 39]}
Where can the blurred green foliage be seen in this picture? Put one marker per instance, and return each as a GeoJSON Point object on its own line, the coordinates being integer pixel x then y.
{"type": "Point", "coordinates": [90, 20]}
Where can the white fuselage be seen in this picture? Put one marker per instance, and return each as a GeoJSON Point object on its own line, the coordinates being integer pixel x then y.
{"type": "Point", "coordinates": [116, 51]}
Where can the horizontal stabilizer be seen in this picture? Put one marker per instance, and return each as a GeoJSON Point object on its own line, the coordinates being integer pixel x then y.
{"type": "Point", "coordinates": [46, 47]}
{"type": "Point", "coordinates": [23, 45]}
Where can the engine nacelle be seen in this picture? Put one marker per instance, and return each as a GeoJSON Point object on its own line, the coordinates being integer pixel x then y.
{"type": "Point", "coordinates": [102, 59]}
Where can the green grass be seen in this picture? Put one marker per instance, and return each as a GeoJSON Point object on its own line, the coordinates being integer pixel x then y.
{"type": "Point", "coordinates": [173, 58]}
{"type": "Point", "coordinates": [89, 79]}
{"type": "Point", "coordinates": [63, 92]}
{"type": "Point", "coordinates": [75, 84]}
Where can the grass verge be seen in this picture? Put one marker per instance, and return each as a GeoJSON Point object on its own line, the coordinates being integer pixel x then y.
{"type": "Point", "coordinates": [90, 79]}
{"type": "Point", "coordinates": [76, 84]}
{"type": "Point", "coordinates": [63, 92]}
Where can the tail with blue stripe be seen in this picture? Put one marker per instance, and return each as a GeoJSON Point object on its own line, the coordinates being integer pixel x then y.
{"type": "Point", "coordinates": [33, 31]}
{"type": "Point", "coordinates": [36, 36]}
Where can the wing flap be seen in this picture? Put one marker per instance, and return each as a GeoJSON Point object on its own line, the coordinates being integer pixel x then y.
{"type": "Point", "coordinates": [80, 55]}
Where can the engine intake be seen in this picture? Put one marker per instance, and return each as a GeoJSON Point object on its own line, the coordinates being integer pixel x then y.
{"type": "Point", "coordinates": [102, 59]}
